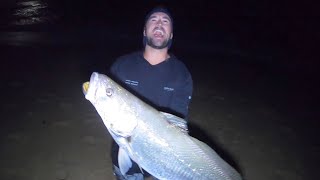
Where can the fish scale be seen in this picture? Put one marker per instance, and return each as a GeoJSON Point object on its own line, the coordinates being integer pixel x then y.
{"type": "Point", "coordinates": [178, 159]}
{"type": "Point", "coordinates": [147, 136]}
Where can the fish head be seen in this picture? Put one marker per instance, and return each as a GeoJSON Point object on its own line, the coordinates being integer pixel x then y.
{"type": "Point", "coordinates": [110, 101]}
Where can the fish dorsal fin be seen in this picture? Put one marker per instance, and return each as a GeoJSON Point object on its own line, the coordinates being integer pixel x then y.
{"type": "Point", "coordinates": [176, 121]}
{"type": "Point", "coordinates": [124, 161]}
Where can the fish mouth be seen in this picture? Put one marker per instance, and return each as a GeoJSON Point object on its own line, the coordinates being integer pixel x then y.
{"type": "Point", "coordinates": [86, 85]}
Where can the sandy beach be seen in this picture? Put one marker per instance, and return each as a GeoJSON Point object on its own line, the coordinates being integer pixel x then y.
{"type": "Point", "coordinates": [262, 121]}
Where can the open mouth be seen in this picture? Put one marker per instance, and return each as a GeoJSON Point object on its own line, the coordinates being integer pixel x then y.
{"type": "Point", "coordinates": [158, 33]}
{"type": "Point", "coordinates": [85, 87]}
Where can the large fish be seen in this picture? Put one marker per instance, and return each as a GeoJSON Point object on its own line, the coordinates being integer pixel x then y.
{"type": "Point", "coordinates": [158, 142]}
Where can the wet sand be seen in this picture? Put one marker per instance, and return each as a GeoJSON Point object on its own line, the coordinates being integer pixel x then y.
{"type": "Point", "coordinates": [262, 121]}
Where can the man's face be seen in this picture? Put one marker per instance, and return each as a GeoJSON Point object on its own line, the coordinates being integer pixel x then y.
{"type": "Point", "coordinates": [158, 30]}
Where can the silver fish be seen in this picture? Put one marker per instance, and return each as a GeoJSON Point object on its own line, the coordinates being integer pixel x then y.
{"type": "Point", "coordinates": [158, 142]}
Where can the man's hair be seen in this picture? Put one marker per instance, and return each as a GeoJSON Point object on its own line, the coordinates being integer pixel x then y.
{"type": "Point", "coordinates": [159, 9]}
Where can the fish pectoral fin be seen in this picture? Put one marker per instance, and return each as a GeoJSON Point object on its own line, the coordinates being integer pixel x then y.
{"type": "Point", "coordinates": [141, 169]}
{"type": "Point", "coordinates": [124, 161]}
{"type": "Point", "coordinates": [176, 121]}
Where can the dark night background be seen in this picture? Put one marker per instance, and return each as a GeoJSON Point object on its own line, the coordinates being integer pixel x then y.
{"type": "Point", "coordinates": [254, 64]}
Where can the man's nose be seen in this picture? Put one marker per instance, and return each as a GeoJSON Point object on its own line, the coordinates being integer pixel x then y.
{"type": "Point", "coordinates": [159, 23]}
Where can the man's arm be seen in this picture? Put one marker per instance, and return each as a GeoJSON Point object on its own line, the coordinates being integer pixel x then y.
{"type": "Point", "coordinates": [182, 97]}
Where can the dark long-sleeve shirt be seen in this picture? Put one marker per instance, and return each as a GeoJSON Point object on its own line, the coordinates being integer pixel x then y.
{"type": "Point", "coordinates": [167, 86]}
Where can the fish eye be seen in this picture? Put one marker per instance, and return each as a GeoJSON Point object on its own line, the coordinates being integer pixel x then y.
{"type": "Point", "coordinates": [109, 92]}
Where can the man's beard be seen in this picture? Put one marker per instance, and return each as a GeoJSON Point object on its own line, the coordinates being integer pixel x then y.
{"type": "Point", "coordinates": [152, 44]}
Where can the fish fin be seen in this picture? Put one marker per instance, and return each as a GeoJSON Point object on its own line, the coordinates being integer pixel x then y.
{"type": "Point", "coordinates": [176, 121]}
{"type": "Point", "coordinates": [120, 133]}
{"type": "Point", "coordinates": [124, 161]}
{"type": "Point", "coordinates": [141, 169]}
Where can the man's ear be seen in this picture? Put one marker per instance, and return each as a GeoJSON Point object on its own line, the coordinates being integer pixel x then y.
{"type": "Point", "coordinates": [144, 31]}
{"type": "Point", "coordinates": [171, 36]}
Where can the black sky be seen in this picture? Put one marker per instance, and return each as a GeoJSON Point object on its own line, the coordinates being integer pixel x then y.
{"type": "Point", "coordinates": [289, 30]}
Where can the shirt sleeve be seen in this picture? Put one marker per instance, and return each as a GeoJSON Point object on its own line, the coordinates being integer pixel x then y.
{"type": "Point", "coordinates": [114, 70]}
{"type": "Point", "coordinates": [182, 97]}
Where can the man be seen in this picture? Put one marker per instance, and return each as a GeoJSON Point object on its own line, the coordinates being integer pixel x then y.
{"type": "Point", "coordinates": [154, 75]}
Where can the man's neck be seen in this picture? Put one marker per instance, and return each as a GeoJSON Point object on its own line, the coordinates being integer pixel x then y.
{"type": "Point", "coordinates": [155, 56]}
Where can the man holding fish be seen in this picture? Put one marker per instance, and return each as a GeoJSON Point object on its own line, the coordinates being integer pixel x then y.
{"type": "Point", "coordinates": [154, 75]}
